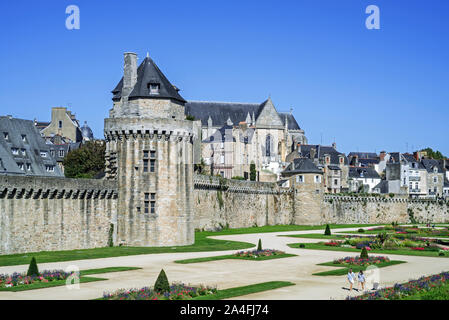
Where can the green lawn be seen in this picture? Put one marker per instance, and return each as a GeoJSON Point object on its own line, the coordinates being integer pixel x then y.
{"type": "Point", "coordinates": [344, 268]}
{"type": "Point", "coordinates": [230, 256]}
{"type": "Point", "coordinates": [318, 246]}
{"type": "Point", "coordinates": [437, 293]}
{"type": "Point", "coordinates": [314, 236]}
{"type": "Point", "coordinates": [202, 243]}
{"type": "Point", "coordinates": [241, 291]}
{"type": "Point", "coordinates": [83, 279]}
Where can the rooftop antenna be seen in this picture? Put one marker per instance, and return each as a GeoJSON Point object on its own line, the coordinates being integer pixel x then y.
{"type": "Point", "coordinates": [148, 54]}
{"type": "Point", "coordinates": [321, 138]}
{"type": "Point", "coordinates": [291, 110]}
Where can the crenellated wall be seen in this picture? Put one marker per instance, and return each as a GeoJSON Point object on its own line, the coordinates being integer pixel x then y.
{"type": "Point", "coordinates": [220, 203]}
{"type": "Point", "coordinates": [45, 214]}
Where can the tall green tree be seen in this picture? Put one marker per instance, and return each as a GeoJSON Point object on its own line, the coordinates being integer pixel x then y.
{"type": "Point", "coordinates": [437, 155]}
{"type": "Point", "coordinates": [252, 171]}
{"type": "Point", "coordinates": [85, 162]}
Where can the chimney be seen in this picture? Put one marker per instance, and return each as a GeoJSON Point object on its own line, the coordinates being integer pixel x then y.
{"type": "Point", "coordinates": [382, 155]}
{"type": "Point", "coordinates": [312, 153]}
{"type": "Point", "coordinates": [334, 145]}
{"type": "Point", "coordinates": [416, 155]}
{"type": "Point", "coordinates": [129, 73]}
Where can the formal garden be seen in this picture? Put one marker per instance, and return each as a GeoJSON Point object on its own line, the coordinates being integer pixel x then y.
{"type": "Point", "coordinates": [163, 290]}
{"type": "Point", "coordinates": [434, 287]}
{"type": "Point", "coordinates": [400, 242]}
{"type": "Point", "coordinates": [410, 231]}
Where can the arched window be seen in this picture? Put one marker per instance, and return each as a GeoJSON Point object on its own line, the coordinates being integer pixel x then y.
{"type": "Point", "coordinates": [268, 145]}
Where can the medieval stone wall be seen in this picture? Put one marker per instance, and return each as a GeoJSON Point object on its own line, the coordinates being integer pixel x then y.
{"type": "Point", "coordinates": [220, 203]}
{"type": "Point", "coordinates": [45, 214]}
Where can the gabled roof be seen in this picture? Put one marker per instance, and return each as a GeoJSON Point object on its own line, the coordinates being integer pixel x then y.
{"type": "Point", "coordinates": [363, 155]}
{"type": "Point", "coordinates": [429, 164]}
{"type": "Point", "coordinates": [382, 186]}
{"type": "Point", "coordinates": [359, 172]}
{"type": "Point", "coordinates": [291, 121]}
{"type": "Point", "coordinates": [29, 151]}
{"type": "Point", "coordinates": [320, 151]}
{"type": "Point", "coordinates": [301, 165]}
{"type": "Point", "coordinates": [149, 72]}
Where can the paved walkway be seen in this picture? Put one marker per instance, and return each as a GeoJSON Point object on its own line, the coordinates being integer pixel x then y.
{"type": "Point", "coordinates": [232, 273]}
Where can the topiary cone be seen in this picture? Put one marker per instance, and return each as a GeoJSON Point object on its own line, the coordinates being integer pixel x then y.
{"type": "Point", "coordinates": [364, 254]}
{"type": "Point", "coordinates": [327, 232]}
{"type": "Point", "coordinates": [32, 269]}
{"type": "Point", "coordinates": [162, 285]}
{"type": "Point", "coordinates": [259, 245]}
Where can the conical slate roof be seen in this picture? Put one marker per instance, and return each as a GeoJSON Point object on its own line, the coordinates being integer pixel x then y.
{"type": "Point", "coordinates": [149, 72]}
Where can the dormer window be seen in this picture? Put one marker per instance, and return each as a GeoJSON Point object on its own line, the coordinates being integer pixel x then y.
{"type": "Point", "coordinates": [6, 136]}
{"type": "Point", "coordinates": [24, 138]}
{"type": "Point", "coordinates": [61, 153]}
{"type": "Point", "coordinates": [15, 151]}
{"type": "Point", "coordinates": [43, 154]}
{"type": "Point", "coordinates": [153, 88]}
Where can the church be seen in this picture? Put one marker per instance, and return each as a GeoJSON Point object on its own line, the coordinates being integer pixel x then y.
{"type": "Point", "coordinates": [231, 135]}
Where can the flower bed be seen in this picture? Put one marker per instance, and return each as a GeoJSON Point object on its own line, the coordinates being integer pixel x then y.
{"type": "Point", "coordinates": [333, 243]}
{"type": "Point", "coordinates": [362, 262]}
{"type": "Point", "coordinates": [178, 291]}
{"type": "Point", "coordinates": [19, 279]}
{"type": "Point", "coordinates": [398, 291]}
{"type": "Point", "coordinates": [258, 253]}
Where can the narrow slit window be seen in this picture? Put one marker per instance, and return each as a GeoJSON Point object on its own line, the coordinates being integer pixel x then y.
{"type": "Point", "coordinates": [152, 165]}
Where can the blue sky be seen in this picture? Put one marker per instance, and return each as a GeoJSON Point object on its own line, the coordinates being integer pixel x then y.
{"type": "Point", "coordinates": [370, 90]}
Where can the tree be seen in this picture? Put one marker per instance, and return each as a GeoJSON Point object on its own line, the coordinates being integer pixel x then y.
{"type": "Point", "coordinates": [85, 162]}
{"type": "Point", "coordinates": [32, 269]}
{"type": "Point", "coordinates": [162, 285]}
{"type": "Point", "coordinates": [327, 232]}
{"type": "Point", "coordinates": [259, 245]}
{"type": "Point", "coordinates": [437, 155]}
{"type": "Point", "coordinates": [252, 171]}
{"type": "Point", "coordinates": [364, 254]}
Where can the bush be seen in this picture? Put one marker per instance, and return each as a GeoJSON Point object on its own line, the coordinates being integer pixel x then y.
{"type": "Point", "coordinates": [302, 245]}
{"type": "Point", "coordinates": [32, 269]}
{"type": "Point", "coordinates": [441, 253]}
{"type": "Point", "coordinates": [327, 232]}
{"type": "Point", "coordinates": [361, 230]}
{"type": "Point", "coordinates": [259, 245]}
{"type": "Point", "coordinates": [162, 285]}
{"type": "Point", "coordinates": [364, 254]}
{"type": "Point", "coordinates": [238, 178]}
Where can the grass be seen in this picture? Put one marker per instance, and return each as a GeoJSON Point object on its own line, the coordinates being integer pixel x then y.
{"type": "Point", "coordinates": [344, 268]}
{"type": "Point", "coordinates": [83, 279]}
{"type": "Point", "coordinates": [314, 236]}
{"type": "Point", "coordinates": [262, 258]}
{"type": "Point", "coordinates": [202, 243]}
{"type": "Point", "coordinates": [317, 246]}
{"type": "Point", "coordinates": [437, 293]}
{"type": "Point", "coordinates": [241, 291]}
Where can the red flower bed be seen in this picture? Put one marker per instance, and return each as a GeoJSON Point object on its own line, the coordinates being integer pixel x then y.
{"type": "Point", "coordinates": [419, 248]}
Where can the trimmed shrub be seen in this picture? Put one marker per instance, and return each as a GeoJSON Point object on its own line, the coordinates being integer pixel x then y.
{"type": "Point", "coordinates": [361, 230]}
{"type": "Point", "coordinates": [327, 232]}
{"type": "Point", "coordinates": [302, 245]}
{"type": "Point", "coordinates": [259, 245]}
{"type": "Point", "coordinates": [162, 285]}
{"type": "Point", "coordinates": [364, 254]}
{"type": "Point", "coordinates": [441, 253]}
{"type": "Point", "coordinates": [32, 269]}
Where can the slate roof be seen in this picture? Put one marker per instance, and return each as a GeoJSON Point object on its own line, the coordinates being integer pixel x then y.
{"type": "Point", "coordinates": [409, 158]}
{"type": "Point", "coordinates": [219, 112]}
{"type": "Point", "coordinates": [221, 136]}
{"type": "Point", "coordinates": [363, 155]}
{"type": "Point", "coordinates": [301, 165]}
{"type": "Point", "coordinates": [29, 151]}
{"type": "Point", "coordinates": [367, 162]}
{"type": "Point", "coordinates": [394, 156]}
{"type": "Point", "coordinates": [430, 163]}
{"type": "Point", "coordinates": [383, 186]}
{"type": "Point", "coordinates": [149, 72]}
{"type": "Point", "coordinates": [359, 172]}
{"type": "Point", "coordinates": [320, 151]}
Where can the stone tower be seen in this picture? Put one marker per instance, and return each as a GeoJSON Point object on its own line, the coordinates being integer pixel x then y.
{"type": "Point", "coordinates": [149, 151]}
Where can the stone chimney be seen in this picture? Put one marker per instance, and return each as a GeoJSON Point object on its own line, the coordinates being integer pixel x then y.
{"type": "Point", "coordinates": [129, 73]}
{"type": "Point", "coordinates": [312, 153]}
{"type": "Point", "coordinates": [334, 145]}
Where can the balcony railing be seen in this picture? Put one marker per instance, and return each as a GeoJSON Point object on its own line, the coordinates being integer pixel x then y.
{"type": "Point", "coordinates": [415, 190]}
{"type": "Point", "coordinates": [414, 178]}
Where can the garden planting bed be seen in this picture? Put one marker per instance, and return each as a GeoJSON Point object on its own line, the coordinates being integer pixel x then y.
{"type": "Point", "coordinates": [435, 287]}
{"type": "Point", "coordinates": [253, 255]}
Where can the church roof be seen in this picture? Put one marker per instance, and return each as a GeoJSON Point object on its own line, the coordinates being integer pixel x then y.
{"type": "Point", "coordinates": [148, 72]}
{"type": "Point", "coordinates": [219, 112]}
{"type": "Point", "coordinates": [301, 165]}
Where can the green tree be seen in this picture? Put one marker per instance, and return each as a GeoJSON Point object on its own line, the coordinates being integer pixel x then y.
{"type": "Point", "coordinates": [162, 284]}
{"type": "Point", "coordinates": [327, 232]}
{"type": "Point", "coordinates": [259, 245]}
{"type": "Point", "coordinates": [85, 162]}
{"type": "Point", "coordinates": [434, 154]}
{"type": "Point", "coordinates": [252, 171]}
{"type": "Point", "coordinates": [364, 254]}
{"type": "Point", "coordinates": [32, 269]}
